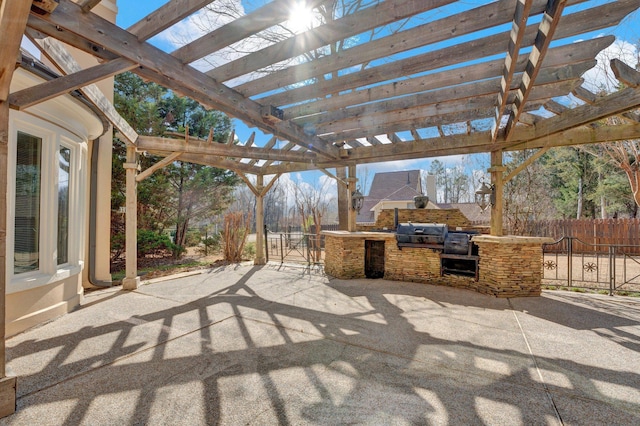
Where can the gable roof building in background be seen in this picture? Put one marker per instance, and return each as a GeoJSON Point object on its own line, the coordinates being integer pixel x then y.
{"type": "Point", "coordinates": [395, 190]}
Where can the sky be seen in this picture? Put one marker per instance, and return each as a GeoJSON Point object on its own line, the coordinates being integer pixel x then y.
{"type": "Point", "coordinates": [627, 39]}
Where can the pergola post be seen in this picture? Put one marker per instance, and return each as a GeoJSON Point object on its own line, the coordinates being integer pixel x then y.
{"type": "Point", "coordinates": [260, 257]}
{"type": "Point", "coordinates": [7, 384]}
{"type": "Point", "coordinates": [351, 187]}
{"type": "Point", "coordinates": [344, 200]}
{"type": "Point", "coordinates": [131, 280]}
{"type": "Point", "coordinates": [13, 20]}
{"type": "Point", "coordinates": [497, 171]}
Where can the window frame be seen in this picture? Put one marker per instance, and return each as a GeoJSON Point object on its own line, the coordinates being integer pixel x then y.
{"type": "Point", "coordinates": [53, 138]}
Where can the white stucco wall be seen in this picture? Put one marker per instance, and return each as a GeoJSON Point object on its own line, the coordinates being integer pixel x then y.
{"type": "Point", "coordinates": [52, 289]}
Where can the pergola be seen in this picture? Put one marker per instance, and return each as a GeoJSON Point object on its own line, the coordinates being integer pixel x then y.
{"type": "Point", "coordinates": [453, 80]}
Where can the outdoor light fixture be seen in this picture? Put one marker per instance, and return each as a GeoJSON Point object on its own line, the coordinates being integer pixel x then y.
{"type": "Point", "coordinates": [421, 201]}
{"type": "Point", "coordinates": [356, 200]}
{"type": "Point", "coordinates": [485, 195]}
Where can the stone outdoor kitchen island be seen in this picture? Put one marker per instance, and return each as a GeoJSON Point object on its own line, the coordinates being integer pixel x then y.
{"type": "Point", "coordinates": [508, 266]}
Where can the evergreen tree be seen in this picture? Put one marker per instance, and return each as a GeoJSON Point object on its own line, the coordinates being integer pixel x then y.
{"type": "Point", "coordinates": [181, 193]}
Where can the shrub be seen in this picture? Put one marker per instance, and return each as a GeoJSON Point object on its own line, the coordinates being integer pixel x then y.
{"type": "Point", "coordinates": [211, 244]}
{"type": "Point", "coordinates": [236, 229]}
{"type": "Point", "coordinates": [154, 243]}
{"type": "Point", "coordinates": [249, 251]}
{"type": "Point", "coordinates": [193, 238]}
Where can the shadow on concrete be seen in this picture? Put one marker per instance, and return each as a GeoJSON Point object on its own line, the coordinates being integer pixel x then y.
{"type": "Point", "coordinates": [319, 351]}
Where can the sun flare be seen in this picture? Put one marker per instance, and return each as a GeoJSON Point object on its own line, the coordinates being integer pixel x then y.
{"type": "Point", "coordinates": [301, 18]}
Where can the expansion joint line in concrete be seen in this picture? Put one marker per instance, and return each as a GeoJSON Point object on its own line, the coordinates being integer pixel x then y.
{"type": "Point", "coordinates": [535, 363]}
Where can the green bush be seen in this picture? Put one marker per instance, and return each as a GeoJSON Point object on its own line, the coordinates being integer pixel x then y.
{"type": "Point", "coordinates": [193, 238]}
{"type": "Point", "coordinates": [211, 244]}
{"type": "Point", "coordinates": [154, 243]}
{"type": "Point", "coordinates": [249, 251]}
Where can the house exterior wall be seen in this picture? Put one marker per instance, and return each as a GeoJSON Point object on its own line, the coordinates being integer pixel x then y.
{"type": "Point", "coordinates": [102, 244]}
{"type": "Point", "coordinates": [46, 281]}
{"type": "Point", "coordinates": [390, 205]}
{"type": "Point", "coordinates": [29, 308]}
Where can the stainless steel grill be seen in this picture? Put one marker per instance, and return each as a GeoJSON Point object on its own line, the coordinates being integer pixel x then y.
{"type": "Point", "coordinates": [458, 253]}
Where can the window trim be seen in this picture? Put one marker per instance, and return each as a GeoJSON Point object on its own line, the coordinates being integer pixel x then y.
{"type": "Point", "coordinates": [53, 138]}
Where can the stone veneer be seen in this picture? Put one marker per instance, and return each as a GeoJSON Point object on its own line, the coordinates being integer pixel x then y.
{"type": "Point", "coordinates": [452, 217]}
{"type": "Point", "coordinates": [344, 252]}
{"type": "Point", "coordinates": [509, 266]}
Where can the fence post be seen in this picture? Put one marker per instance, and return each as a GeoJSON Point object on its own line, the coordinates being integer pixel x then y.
{"type": "Point", "coordinates": [570, 260]}
{"type": "Point", "coordinates": [281, 250]}
{"type": "Point", "coordinates": [266, 243]}
{"type": "Point", "coordinates": [612, 269]}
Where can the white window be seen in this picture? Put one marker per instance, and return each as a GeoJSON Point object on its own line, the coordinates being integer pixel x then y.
{"type": "Point", "coordinates": [26, 253]}
{"type": "Point", "coordinates": [64, 186]}
{"type": "Point", "coordinates": [47, 213]}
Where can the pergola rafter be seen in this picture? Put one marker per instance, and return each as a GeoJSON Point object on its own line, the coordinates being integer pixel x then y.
{"type": "Point", "coordinates": [323, 120]}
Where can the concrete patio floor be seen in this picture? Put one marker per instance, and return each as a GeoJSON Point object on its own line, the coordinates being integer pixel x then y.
{"type": "Point", "coordinates": [279, 345]}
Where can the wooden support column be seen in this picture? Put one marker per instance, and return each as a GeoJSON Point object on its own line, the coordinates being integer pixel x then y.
{"type": "Point", "coordinates": [7, 384]}
{"type": "Point", "coordinates": [13, 21]}
{"type": "Point", "coordinates": [260, 256]}
{"type": "Point", "coordinates": [131, 280]}
{"type": "Point", "coordinates": [497, 171]}
{"type": "Point", "coordinates": [344, 200]}
{"type": "Point", "coordinates": [351, 187]}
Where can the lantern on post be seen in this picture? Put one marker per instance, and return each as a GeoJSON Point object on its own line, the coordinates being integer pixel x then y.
{"type": "Point", "coordinates": [356, 200]}
{"type": "Point", "coordinates": [485, 195]}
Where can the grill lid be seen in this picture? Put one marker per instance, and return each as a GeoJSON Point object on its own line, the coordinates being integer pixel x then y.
{"type": "Point", "coordinates": [437, 229]}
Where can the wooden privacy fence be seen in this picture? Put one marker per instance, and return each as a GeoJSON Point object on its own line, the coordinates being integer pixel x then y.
{"type": "Point", "coordinates": [592, 235]}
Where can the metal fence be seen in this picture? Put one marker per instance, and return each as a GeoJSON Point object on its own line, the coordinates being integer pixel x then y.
{"type": "Point", "coordinates": [609, 268]}
{"type": "Point", "coordinates": [295, 247]}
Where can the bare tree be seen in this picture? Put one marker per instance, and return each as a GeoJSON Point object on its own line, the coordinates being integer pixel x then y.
{"type": "Point", "coordinates": [312, 205]}
{"type": "Point", "coordinates": [622, 154]}
{"type": "Point", "coordinates": [237, 226]}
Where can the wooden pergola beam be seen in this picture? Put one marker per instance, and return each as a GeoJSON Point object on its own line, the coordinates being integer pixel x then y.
{"type": "Point", "coordinates": [584, 95]}
{"type": "Point", "coordinates": [159, 165]}
{"type": "Point", "coordinates": [219, 162]}
{"type": "Point", "coordinates": [518, 28]}
{"type": "Point", "coordinates": [270, 144]}
{"type": "Point", "coordinates": [67, 83]}
{"type": "Point", "coordinates": [513, 173]}
{"type": "Point", "coordinates": [546, 31]}
{"type": "Point", "coordinates": [168, 14]}
{"type": "Point", "coordinates": [466, 22]}
{"type": "Point", "coordinates": [87, 5]}
{"type": "Point", "coordinates": [244, 26]}
{"type": "Point", "coordinates": [197, 146]}
{"type": "Point", "coordinates": [555, 84]}
{"type": "Point", "coordinates": [454, 111]}
{"type": "Point", "coordinates": [373, 17]}
{"type": "Point", "coordinates": [477, 142]}
{"type": "Point", "coordinates": [96, 30]}
{"type": "Point", "coordinates": [614, 104]}
{"type": "Point", "coordinates": [13, 20]}
{"type": "Point", "coordinates": [60, 57]}
{"type": "Point", "coordinates": [625, 73]}
{"type": "Point", "coordinates": [557, 64]}
{"type": "Point", "coordinates": [574, 24]}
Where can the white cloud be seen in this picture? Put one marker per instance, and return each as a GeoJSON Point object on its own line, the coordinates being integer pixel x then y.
{"type": "Point", "coordinates": [601, 77]}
